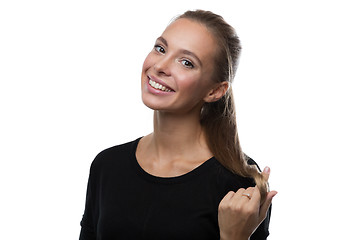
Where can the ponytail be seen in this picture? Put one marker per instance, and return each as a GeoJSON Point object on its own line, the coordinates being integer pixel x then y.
{"type": "Point", "coordinates": [219, 122]}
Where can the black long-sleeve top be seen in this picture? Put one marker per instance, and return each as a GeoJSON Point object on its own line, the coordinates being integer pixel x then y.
{"type": "Point", "coordinates": [125, 202]}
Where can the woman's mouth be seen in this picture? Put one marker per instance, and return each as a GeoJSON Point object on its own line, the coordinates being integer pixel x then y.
{"type": "Point", "coordinates": [158, 86]}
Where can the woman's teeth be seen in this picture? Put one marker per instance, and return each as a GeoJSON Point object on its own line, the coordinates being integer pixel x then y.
{"type": "Point", "coordinates": [158, 86]}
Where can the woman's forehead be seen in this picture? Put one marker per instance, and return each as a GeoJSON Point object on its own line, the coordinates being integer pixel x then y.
{"type": "Point", "coordinates": [192, 36]}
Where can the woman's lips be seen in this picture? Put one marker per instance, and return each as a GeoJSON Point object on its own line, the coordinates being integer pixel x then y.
{"type": "Point", "coordinates": [159, 84]}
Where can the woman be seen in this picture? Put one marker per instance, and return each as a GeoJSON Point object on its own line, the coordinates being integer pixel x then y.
{"type": "Point", "coordinates": [188, 179]}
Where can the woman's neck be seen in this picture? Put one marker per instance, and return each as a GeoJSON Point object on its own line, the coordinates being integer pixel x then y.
{"type": "Point", "coordinates": [177, 145]}
{"type": "Point", "coordinates": [177, 137]}
{"type": "Point", "coordinates": [177, 132]}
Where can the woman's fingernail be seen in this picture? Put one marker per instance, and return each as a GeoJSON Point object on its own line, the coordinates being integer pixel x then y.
{"type": "Point", "coordinates": [267, 170]}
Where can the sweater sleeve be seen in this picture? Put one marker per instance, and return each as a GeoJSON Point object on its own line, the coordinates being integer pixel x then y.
{"type": "Point", "coordinates": [88, 221]}
{"type": "Point", "coordinates": [262, 232]}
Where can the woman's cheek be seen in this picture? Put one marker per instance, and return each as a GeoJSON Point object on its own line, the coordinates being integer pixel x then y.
{"type": "Point", "coordinates": [147, 62]}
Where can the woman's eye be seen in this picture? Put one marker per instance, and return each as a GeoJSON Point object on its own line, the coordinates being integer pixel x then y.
{"type": "Point", "coordinates": [159, 49]}
{"type": "Point", "coordinates": [187, 63]}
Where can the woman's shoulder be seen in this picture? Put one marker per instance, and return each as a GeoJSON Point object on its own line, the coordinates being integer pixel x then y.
{"type": "Point", "coordinates": [119, 149]}
{"type": "Point", "coordinates": [112, 155]}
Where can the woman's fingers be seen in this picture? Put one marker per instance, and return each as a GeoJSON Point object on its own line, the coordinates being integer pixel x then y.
{"type": "Point", "coordinates": [265, 206]}
{"type": "Point", "coordinates": [266, 173]}
{"type": "Point", "coordinates": [228, 196]}
{"type": "Point", "coordinates": [239, 200]}
{"type": "Point", "coordinates": [255, 199]}
{"type": "Point", "coordinates": [243, 194]}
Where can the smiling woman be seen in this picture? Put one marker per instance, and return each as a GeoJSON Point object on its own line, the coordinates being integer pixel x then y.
{"type": "Point", "coordinates": [182, 60]}
{"type": "Point", "coordinates": [188, 179]}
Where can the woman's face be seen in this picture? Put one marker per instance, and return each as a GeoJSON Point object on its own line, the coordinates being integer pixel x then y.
{"type": "Point", "coordinates": [177, 73]}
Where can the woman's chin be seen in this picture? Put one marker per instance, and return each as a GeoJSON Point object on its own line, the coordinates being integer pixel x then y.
{"type": "Point", "coordinates": [152, 105]}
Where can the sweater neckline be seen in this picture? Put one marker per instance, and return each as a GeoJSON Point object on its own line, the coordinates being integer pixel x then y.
{"type": "Point", "coordinates": [199, 170]}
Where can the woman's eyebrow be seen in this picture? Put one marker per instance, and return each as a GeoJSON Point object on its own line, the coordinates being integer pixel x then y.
{"type": "Point", "coordinates": [163, 40]}
{"type": "Point", "coordinates": [184, 51]}
{"type": "Point", "coordinates": [187, 52]}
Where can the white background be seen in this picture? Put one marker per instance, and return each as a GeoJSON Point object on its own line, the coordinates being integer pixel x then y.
{"type": "Point", "coordinates": [70, 87]}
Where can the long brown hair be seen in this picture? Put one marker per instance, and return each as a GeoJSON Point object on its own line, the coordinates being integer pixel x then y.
{"type": "Point", "coordinates": [219, 118]}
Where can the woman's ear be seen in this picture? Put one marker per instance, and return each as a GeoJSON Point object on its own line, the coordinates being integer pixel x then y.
{"type": "Point", "coordinates": [217, 92]}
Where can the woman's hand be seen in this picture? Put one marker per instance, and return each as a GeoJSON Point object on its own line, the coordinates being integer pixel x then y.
{"type": "Point", "coordinates": [240, 213]}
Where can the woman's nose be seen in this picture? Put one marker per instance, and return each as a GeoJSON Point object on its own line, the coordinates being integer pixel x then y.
{"type": "Point", "coordinates": [163, 66]}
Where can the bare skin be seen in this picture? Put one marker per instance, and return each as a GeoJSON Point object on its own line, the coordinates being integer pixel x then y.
{"type": "Point", "coordinates": [166, 151]}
